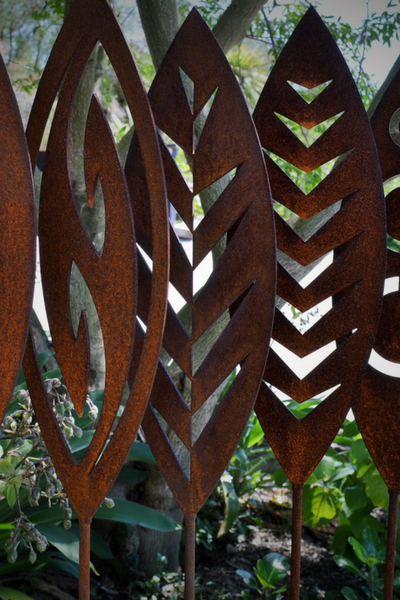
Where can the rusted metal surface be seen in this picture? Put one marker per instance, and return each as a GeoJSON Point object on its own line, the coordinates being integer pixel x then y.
{"type": "Point", "coordinates": [111, 275]}
{"type": "Point", "coordinates": [196, 103]}
{"type": "Point", "coordinates": [244, 277]}
{"type": "Point", "coordinates": [377, 407]}
{"type": "Point", "coordinates": [17, 239]}
{"type": "Point", "coordinates": [355, 234]}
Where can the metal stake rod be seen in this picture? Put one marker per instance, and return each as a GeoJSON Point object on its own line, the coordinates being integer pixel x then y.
{"type": "Point", "coordinates": [84, 558]}
{"type": "Point", "coordinates": [295, 566]}
{"type": "Point", "coordinates": [391, 543]}
{"type": "Point", "coordinates": [190, 555]}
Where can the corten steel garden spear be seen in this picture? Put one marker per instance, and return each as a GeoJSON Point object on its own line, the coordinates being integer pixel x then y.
{"type": "Point", "coordinates": [219, 141]}
{"type": "Point", "coordinates": [377, 405]}
{"type": "Point", "coordinates": [111, 275]}
{"type": "Point", "coordinates": [355, 236]}
{"type": "Point", "coordinates": [17, 239]}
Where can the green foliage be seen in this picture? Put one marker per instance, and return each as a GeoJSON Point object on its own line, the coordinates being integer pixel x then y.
{"type": "Point", "coordinates": [268, 574]}
{"type": "Point", "coordinates": [34, 508]}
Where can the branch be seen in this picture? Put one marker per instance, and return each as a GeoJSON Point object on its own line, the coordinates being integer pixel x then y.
{"type": "Point", "coordinates": [233, 24]}
{"type": "Point", "coordinates": [160, 21]}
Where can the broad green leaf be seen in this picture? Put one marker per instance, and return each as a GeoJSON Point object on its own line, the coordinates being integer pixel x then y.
{"type": "Point", "coordinates": [249, 580]}
{"type": "Point", "coordinates": [256, 434]}
{"type": "Point", "coordinates": [6, 467]}
{"type": "Point", "coordinates": [132, 513]}
{"type": "Point", "coordinates": [77, 444]}
{"type": "Point", "coordinates": [9, 594]}
{"type": "Point", "coordinates": [131, 476]}
{"type": "Point", "coordinates": [271, 568]}
{"type": "Point", "coordinates": [348, 564]}
{"type": "Point", "coordinates": [11, 495]}
{"type": "Point", "coordinates": [280, 477]}
{"type": "Point", "coordinates": [97, 395]}
{"type": "Point", "coordinates": [376, 488]}
{"type": "Point", "coordinates": [232, 508]}
{"type": "Point", "coordinates": [350, 593]}
{"type": "Point", "coordinates": [65, 541]}
{"type": "Point", "coordinates": [373, 545]}
{"type": "Point", "coordinates": [355, 497]}
{"type": "Point", "coordinates": [359, 523]}
{"type": "Point", "coordinates": [324, 470]}
{"type": "Point", "coordinates": [351, 430]}
{"type": "Point", "coordinates": [141, 453]}
{"type": "Point", "coordinates": [359, 550]}
{"type": "Point", "coordinates": [40, 514]}
{"type": "Point", "coordinates": [342, 473]}
{"type": "Point", "coordinates": [25, 448]}
{"type": "Point", "coordinates": [323, 503]}
{"type": "Point", "coordinates": [359, 453]}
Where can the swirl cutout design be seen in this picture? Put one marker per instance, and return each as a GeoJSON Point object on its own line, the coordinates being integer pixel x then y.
{"type": "Point", "coordinates": [111, 275]}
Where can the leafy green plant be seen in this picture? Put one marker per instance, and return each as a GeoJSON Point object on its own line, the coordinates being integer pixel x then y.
{"type": "Point", "coordinates": [35, 514]}
{"type": "Point", "coordinates": [371, 554]}
{"type": "Point", "coordinates": [244, 477]}
{"type": "Point", "coordinates": [268, 573]}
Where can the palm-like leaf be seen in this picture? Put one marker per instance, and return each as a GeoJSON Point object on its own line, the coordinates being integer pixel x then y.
{"type": "Point", "coordinates": [111, 275]}
{"type": "Point", "coordinates": [355, 234]}
{"type": "Point", "coordinates": [17, 241]}
{"type": "Point", "coordinates": [377, 406]}
{"type": "Point", "coordinates": [243, 279]}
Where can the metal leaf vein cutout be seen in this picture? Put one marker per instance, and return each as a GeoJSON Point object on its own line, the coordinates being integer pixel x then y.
{"type": "Point", "coordinates": [17, 240]}
{"type": "Point", "coordinates": [354, 237]}
{"type": "Point", "coordinates": [111, 275]}
{"type": "Point", "coordinates": [243, 280]}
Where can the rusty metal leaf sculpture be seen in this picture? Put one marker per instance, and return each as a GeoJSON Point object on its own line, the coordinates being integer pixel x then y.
{"type": "Point", "coordinates": [355, 233]}
{"type": "Point", "coordinates": [17, 240]}
{"type": "Point", "coordinates": [377, 406]}
{"type": "Point", "coordinates": [244, 276]}
{"type": "Point", "coordinates": [111, 275]}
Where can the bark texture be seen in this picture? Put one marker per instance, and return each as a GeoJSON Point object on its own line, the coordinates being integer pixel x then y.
{"type": "Point", "coordinates": [160, 21]}
{"type": "Point", "coordinates": [233, 24]}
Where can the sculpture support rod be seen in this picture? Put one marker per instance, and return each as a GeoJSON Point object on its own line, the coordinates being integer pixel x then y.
{"type": "Point", "coordinates": [297, 512]}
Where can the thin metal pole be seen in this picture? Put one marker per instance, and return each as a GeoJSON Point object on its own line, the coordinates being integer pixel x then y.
{"type": "Point", "coordinates": [295, 564]}
{"type": "Point", "coordinates": [84, 558]}
{"type": "Point", "coordinates": [190, 555]}
{"type": "Point", "coordinates": [391, 544]}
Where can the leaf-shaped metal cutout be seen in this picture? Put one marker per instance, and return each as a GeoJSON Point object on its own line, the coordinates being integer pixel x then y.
{"type": "Point", "coordinates": [377, 406]}
{"type": "Point", "coordinates": [244, 275]}
{"type": "Point", "coordinates": [111, 276]}
{"type": "Point", "coordinates": [356, 234]}
{"type": "Point", "coordinates": [17, 239]}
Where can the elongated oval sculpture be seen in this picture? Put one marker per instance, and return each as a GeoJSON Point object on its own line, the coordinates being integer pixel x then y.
{"type": "Point", "coordinates": [17, 239]}
{"type": "Point", "coordinates": [377, 406]}
{"type": "Point", "coordinates": [309, 117]}
{"type": "Point", "coordinates": [110, 274]}
{"type": "Point", "coordinates": [197, 103]}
